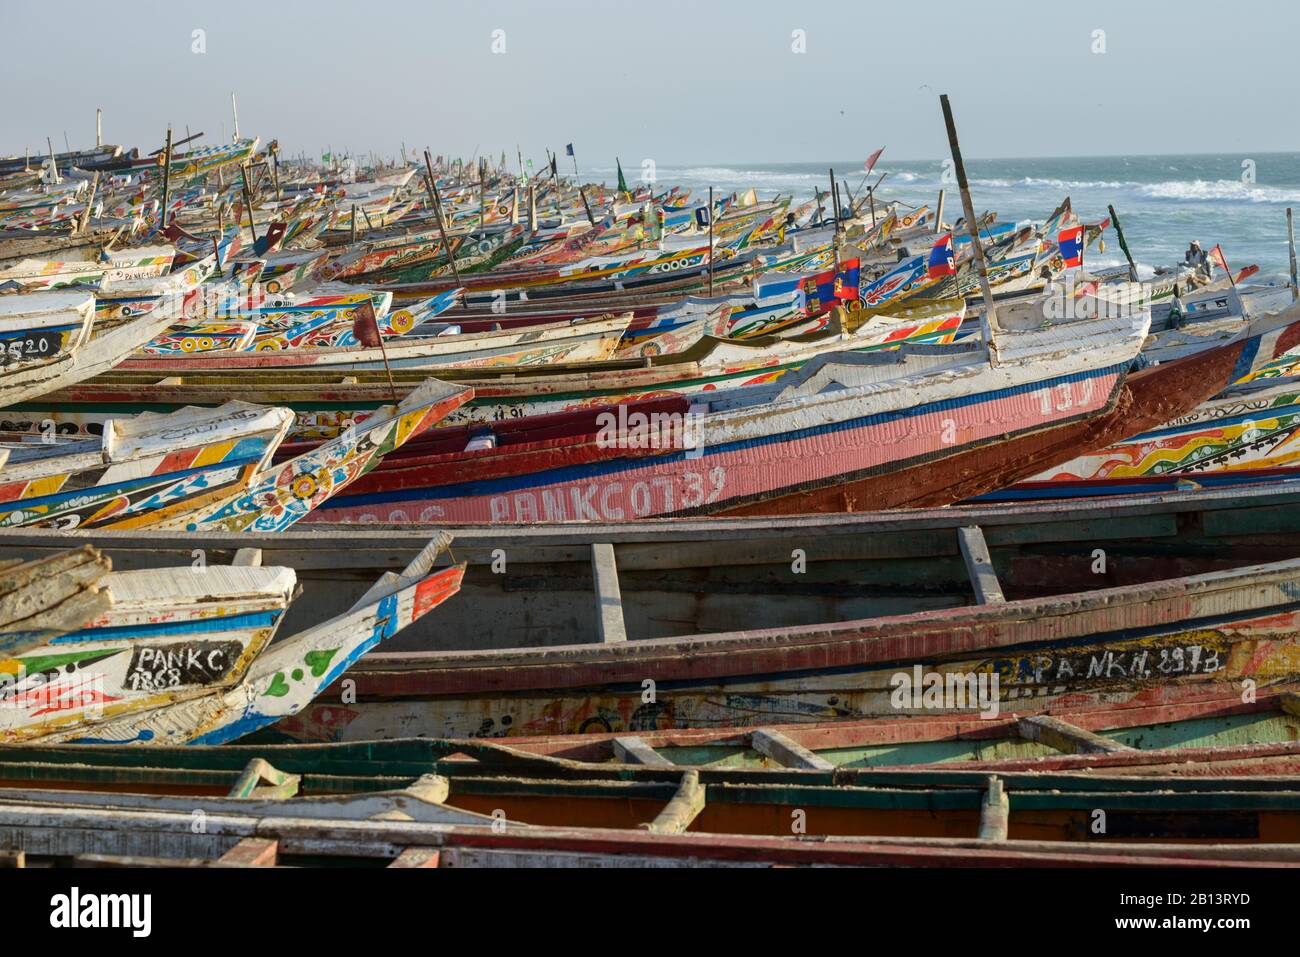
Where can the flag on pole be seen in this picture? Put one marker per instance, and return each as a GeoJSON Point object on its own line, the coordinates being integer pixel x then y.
{"type": "Point", "coordinates": [1062, 218]}
{"type": "Point", "coordinates": [554, 171]}
{"type": "Point", "coordinates": [848, 280]}
{"type": "Point", "coordinates": [1070, 242]}
{"type": "Point", "coordinates": [1216, 257]}
{"type": "Point", "coordinates": [365, 326]}
{"type": "Point", "coordinates": [568, 150]}
{"type": "Point", "coordinates": [622, 183]}
{"type": "Point", "coordinates": [941, 259]}
{"type": "Point", "coordinates": [871, 161]}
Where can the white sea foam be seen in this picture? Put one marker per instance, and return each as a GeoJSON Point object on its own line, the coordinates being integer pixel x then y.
{"type": "Point", "coordinates": [1219, 190]}
{"type": "Point", "coordinates": [748, 177]}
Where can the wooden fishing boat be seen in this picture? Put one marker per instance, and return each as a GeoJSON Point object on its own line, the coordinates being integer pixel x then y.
{"type": "Point", "coordinates": [117, 299]}
{"type": "Point", "coordinates": [682, 577]}
{"type": "Point", "coordinates": [140, 469]}
{"type": "Point", "coordinates": [198, 466]}
{"type": "Point", "coordinates": [449, 794]}
{"type": "Point", "coordinates": [587, 340]}
{"type": "Point", "coordinates": [48, 242]}
{"type": "Point", "coordinates": [1246, 434]}
{"type": "Point", "coordinates": [1215, 630]}
{"type": "Point", "coordinates": [42, 327]}
{"type": "Point", "coordinates": [168, 636]}
{"type": "Point", "coordinates": [1187, 734]}
{"type": "Point", "coordinates": [89, 267]}
{"type": "Point", "coordinates": [1174, 573]}
{"type": "Point", "coordinates": [206, 676]}
{"type": "Point", "coordinates": [914, 426]}
{"type": "Point", "coordinates": [81, 356]}
{"type": "Point", "coordinates": [51, 596]}
{"type": "Point", "coordinates": [102, 835]}
{"type": "Point", "coordinates": [321, 400]}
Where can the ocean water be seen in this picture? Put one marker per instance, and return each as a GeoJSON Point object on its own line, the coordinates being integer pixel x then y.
{"type": "Point", "coordinates": [1163, 202]}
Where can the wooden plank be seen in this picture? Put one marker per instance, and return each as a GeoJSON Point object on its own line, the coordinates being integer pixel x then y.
{"type": "Point", "coordinates": [1290, 703]}
{"type": "Point", "coordinates": [995, 812]}
{"type": "Point", "coordinates": [135, 860]}
{"type": "Point", "coordinates": [609, 600]}
{"type": "Point", "coordinates": [260, 780]}
{"type": "Point", "coordinates": [684, 808]}
{"type": "Point", "coordinates": [248, 556]}
{"type": "Point", "coordinates": [417, 857]}
{"type": "Point", "coordinates": [1066, 737]}
{"type": "Point", "coordinates": [629, 749]}
{"type": "Point", "coordinates": [251, 852]}
{"type": "Point", "coordinates": [787, 752]}
{"type": "Point", "coordinates": [979, 564]}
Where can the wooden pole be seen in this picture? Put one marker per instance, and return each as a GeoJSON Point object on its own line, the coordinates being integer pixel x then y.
{"type": "Point", "coordinates": [853, 203]}
{"type": "Point", "coordinates": [167, 177]}
{"type": "Point", "coordinates": [99, 127]}
{"type": "Point", "coordinates": [234, 110]}
{"type": "Point", "coordinates": [835, 202]}
{"type": "Point", "coordinates": [710, 240]}
{"type": "Point", "coordinates": [437, 212]}
{"type": "Point", "coordinates": [248, 200]}
{"type": "Point", "coordinates": [84, 223]}
{"type": "Point", "coordinates": [275, 172]}
{"type": "Point", "coordinates": [989, 321]}
{"type": "Point", "coordinates": [353, 237]}
{"type": "Point", "coordinates": [383, 351]}
{"type": "Point", "coordinates": [482, 193]}
{"type": "Point", "coordinates": [1290, 241]}
{"type": "Point", "coordinates": [1119, 231]}
{"type": "Point", "coordinates": [938, 214]}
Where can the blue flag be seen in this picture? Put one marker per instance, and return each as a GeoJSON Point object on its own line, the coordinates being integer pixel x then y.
{"type": "Point", "coordinates": [568, 150]}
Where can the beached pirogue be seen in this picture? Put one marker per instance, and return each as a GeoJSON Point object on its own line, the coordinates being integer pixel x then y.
{"type": "Point", "coordinates": [632, 627]}
{"type": "Point", "coordinates": [198, 468]}
{"type": "Point", "coordinates": [183, 654]}
{"type": "Point", "coordinates": [1198, 781]}
{"type": "Point", "coordinates": [919, 425]}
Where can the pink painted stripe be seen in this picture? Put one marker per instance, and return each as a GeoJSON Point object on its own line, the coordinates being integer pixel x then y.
{"type": "Point", "coordinates": [655, 488]}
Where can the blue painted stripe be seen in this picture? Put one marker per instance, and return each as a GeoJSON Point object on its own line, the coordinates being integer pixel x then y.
{"type": "Point", "coordinates": [101, 492]}
{"type": "Point", "coordinates": [1246, 360]}
{"type": "Point", "coordinates": [244, 622]}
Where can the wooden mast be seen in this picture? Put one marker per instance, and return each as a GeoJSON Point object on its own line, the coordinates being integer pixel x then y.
{"type": "Point", "coordinates": [989, 321]}
{"type": "Point", "coordinates": [437, 212]}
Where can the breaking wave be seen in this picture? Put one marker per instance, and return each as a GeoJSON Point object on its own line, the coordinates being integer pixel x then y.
{"type": "Point", "coordinates": [1219, 190]}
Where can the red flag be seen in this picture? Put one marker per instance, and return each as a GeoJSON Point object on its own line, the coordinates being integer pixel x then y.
{"type": "Point", "coordinates": [1216, 257]}
{"type": "Point", "coordinates": [871, 160]}
{"type": "Point", "coordinates": [365, 326]}
{"type": "Point", "coordinates": [1246, 273]}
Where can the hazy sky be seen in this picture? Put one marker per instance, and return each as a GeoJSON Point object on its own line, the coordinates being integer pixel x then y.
{"type": "Point", "coordinates": [679, 81]}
